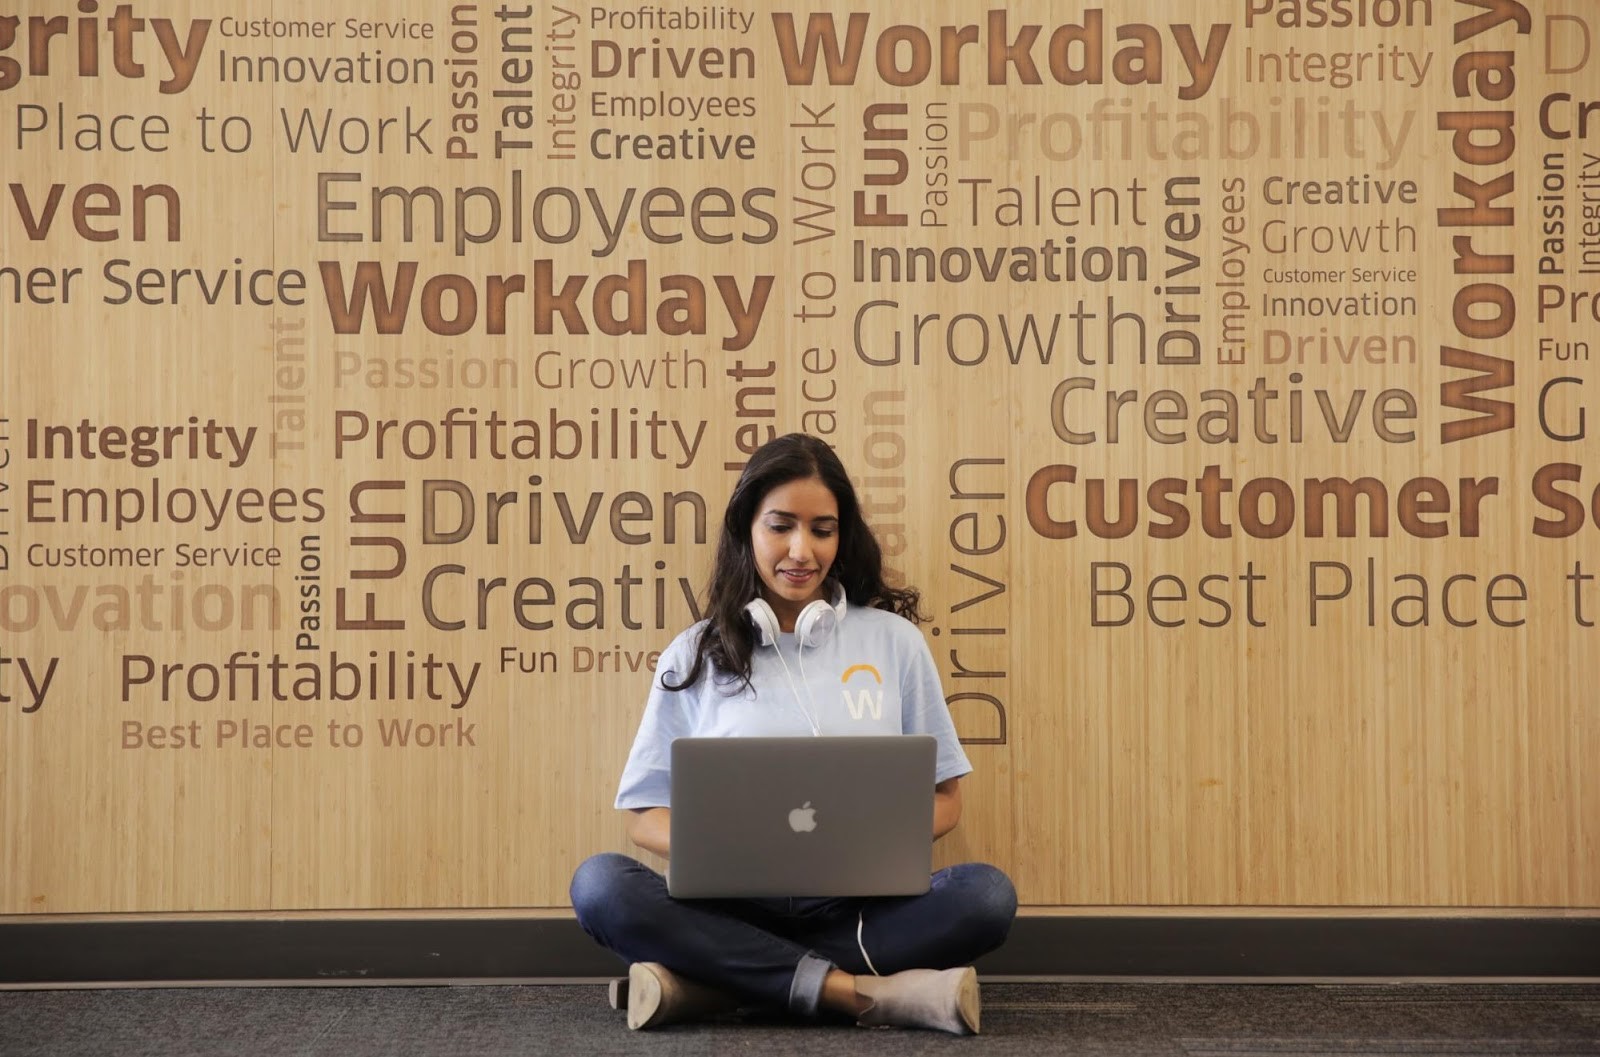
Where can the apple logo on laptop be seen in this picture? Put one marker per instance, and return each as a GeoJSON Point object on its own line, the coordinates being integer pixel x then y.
{"type": "Point", "coordinates": [803, 819]}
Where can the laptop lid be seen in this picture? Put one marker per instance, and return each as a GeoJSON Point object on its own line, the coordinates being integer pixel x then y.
{"type": "Point", "coordinates": [829, 816]}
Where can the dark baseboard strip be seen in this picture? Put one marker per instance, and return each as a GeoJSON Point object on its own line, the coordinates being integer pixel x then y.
{"type": "Point", "coordinates": [1349, 946]}
{"type": "Point", "coordinates": [396, 950]}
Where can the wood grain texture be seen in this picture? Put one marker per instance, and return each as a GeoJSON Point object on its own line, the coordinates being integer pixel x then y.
{"type": "Point", "coordinates": [1352, 763]}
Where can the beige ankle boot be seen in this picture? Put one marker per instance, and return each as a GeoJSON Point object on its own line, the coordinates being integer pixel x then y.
{"type": "Point", "coordinates": [657, 996]}
{"type": "Point", "coordinates": [937, 999]}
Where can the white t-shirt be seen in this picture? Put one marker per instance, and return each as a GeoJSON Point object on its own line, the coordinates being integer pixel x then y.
{"type": "Point", "coordinates": [871, 674]}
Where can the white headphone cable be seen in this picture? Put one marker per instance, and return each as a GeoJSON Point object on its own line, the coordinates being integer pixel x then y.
{"type": "Point", "coordinates": [800, 659]}
{"type": "Point", "coordinates": [861, 921]}
{"type": "Point", "coordinates": [812, 723]}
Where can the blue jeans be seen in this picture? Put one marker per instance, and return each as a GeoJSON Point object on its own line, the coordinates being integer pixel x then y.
{"type": "Point", "coordinates": [777, 951]}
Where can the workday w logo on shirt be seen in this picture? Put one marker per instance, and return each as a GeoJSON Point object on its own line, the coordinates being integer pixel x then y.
{"type": "Point", "coordinates": [868, 696]}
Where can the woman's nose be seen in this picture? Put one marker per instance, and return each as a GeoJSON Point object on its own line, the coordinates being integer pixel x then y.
{"type": "Point", "coordinates": [799, 547]}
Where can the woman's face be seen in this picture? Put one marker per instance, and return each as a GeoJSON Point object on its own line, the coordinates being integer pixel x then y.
{"type": "Point", "coordinates": [793, 540]}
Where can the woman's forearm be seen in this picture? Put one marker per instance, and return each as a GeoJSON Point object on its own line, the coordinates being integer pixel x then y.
{"type": "Point", "coordinates": [946, 807]}
{"type": "Point", "coordinates": [651, 829]}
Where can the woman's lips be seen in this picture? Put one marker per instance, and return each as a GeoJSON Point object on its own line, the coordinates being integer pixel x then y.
{"type": "Point", "coordinates": [797, 577]}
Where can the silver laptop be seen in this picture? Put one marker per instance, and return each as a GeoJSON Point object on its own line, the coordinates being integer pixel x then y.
{"type": "Point", "coordinates": [801, 816]}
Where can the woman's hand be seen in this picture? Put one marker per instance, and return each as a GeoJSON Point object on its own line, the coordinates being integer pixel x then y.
{"type": "Point", "coordinates": [651, 829]}
{"type": "Point", "coordinates": [946, 806]}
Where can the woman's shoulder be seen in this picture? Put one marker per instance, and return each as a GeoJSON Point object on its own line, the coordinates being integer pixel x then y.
{"type": "Point", "coordinates": [678, 658]}
{"type": "Point", "coordinates": [686, 643]}
{"type": "Point", "coordinates": [882, 622]}
{"type": "Point", "coordinates": [687, 640]}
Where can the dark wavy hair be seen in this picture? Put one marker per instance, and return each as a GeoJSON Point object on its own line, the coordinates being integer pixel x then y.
{"type": "Point", "coordinates": [729, 637]}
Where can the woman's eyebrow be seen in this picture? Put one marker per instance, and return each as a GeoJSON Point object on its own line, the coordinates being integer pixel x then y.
{"type": "Point", "coordinates": [796, 517]}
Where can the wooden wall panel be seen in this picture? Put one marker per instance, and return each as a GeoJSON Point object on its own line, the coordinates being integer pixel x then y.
{"type": "Point", "coordinates": [1239, 755]}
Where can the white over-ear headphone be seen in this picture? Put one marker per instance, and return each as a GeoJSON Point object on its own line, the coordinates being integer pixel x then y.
{"type": "Point", "coordinates": [811, 628]}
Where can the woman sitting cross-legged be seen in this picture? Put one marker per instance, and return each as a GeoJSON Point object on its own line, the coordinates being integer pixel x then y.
{"type": "Point", "coordinates": [794, 552]}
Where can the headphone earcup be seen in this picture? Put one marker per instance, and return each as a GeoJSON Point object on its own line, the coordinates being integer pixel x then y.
{"type": "Point", "coordinates": [764, 619]}
{"type": "Point", "coordinates": [815, 623]}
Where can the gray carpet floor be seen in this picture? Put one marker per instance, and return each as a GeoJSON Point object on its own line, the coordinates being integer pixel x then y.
{"type": "Point", "coordinates": [1113, 1019]}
